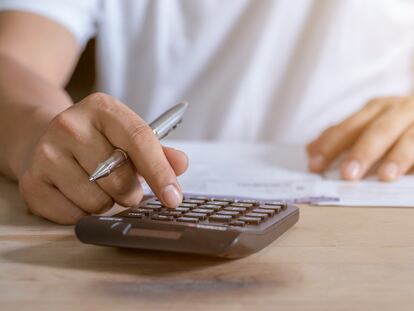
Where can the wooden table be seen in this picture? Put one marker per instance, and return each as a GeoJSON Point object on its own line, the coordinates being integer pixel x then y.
{"type": "Point", "coordinates": [333, 259]}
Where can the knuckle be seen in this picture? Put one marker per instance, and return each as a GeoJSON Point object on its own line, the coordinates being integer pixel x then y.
{"type": "Point", "coordinates": [140, 133]}
{"type": "Point", "coordinates": [44, 152]}
{"type": "Point", "coordinates": [66, 124]}
{"type": "Point", "coordinates": [101, 101]}
{"type": "Point", "coordinates": [96, 97]}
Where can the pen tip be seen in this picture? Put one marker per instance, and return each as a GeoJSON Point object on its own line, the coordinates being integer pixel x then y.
{"type": "Point", "coordinates": [92, 178]}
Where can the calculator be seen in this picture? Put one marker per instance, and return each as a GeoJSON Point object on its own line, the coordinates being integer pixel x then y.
{"type": "Point", "coordinates": [214, 226]}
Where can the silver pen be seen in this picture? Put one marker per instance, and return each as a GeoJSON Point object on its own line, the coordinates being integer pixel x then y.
{"type": "Point", "coordinates": [161, 127]}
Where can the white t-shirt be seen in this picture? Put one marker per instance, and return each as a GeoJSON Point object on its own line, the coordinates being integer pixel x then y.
{"type": "Point", "coordinates": [277, 70]}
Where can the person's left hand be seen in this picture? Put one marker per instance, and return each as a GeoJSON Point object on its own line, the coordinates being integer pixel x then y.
{"type": "Point", "coordinates": [381, 132]}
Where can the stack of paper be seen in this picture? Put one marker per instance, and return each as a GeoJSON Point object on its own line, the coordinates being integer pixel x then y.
{"type": "Point", "coordinates": [279, 172]}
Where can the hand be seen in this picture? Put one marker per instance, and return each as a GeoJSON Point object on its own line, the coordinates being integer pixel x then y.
{"type": "Point", "coordinates": [381, 133]}
{"type": "Point", "coordinates": [54, 183]}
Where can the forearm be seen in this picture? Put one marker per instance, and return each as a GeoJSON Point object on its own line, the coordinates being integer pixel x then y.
{"type": "Point", "coordinates": [27, 104]}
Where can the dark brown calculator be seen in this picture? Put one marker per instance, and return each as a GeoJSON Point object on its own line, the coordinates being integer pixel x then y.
{"type": "Point", "coordinates": [213, 226]}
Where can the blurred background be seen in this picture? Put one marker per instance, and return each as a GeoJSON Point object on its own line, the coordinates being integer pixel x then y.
{"type": "Point", "coordinates": [83, 79]}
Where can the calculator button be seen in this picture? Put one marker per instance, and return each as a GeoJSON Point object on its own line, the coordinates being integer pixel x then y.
{"type": "Point", "coordinates": [204, 211]}
{"type": "Point", "coordinates": [237, 223]}
{"type": "Point", "coordinates": [144, 211]}
{"type": "Point", "coordinates": [229, 213]}
{"type": "Point", "coordinates": [235, 209]}
{"type": "Point", "coordinates": [277, 209]}
{"type": "Point", "coordinates": [250, 220]}
{"type": "Point", "coordinates": [158, 203]}
{"type": "Point", "coordinates": [188, 219]}
{"type": "Point", "coordinates": [134, 215]}
{"type": "Point", "coordinates": [268, 212]}
{"type": "Point", "coordinates": [193, 201]}
{"type": "Point", "coordinates": [171, 213]}
{"type": "Point", "coordinates": [253, 202]}
{"type": "Point", "coordinates": [276, 203]}
{"type": "Point", "coordinates": [218, 203]}
{"type": "Point", "coordinates": [182, 209]}
{"type": "Point", "coordinates": [225, 200]}
{"type": "Point", "coordinates": [246, 205]}
{"type": "Point", "coordinates": [196, 215]}
{"type": "Point", "coordinates": [210, 206]}
{"type": "Point", "coordinates": [220, 218]}
{"type": "Point", "coordinates": [153, 207]}
{"type": "Point", "coordinates": [189, 205]}
{"type": "Point", "coordinates": [258, 215]}
{"type": "Point", "coordinates": [198, 198]}
{"type": "Point", "coordinates": [162, 217]}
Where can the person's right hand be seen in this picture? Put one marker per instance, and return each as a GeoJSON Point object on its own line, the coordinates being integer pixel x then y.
{"type": "Point", "coordinates": [54, 181]}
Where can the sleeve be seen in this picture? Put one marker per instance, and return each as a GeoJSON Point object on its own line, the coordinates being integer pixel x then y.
{"type": "Point", "coordinates": [80, 17]}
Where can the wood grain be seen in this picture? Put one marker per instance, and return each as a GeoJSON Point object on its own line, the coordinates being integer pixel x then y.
{"type": "Point", "coordinates": [335, 258]}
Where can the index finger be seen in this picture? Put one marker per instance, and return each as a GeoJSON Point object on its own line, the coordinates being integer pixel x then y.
{"type": "Point", "coordinates": [126, 130]}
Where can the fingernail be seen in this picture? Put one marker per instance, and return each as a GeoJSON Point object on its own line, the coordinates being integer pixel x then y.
{"type": "Point", "coordinates": [171, 196]}
{"type": "Point", "coordinates": [390, 170]}
{"type": "Point", "coordinates": [352, 170]}
{"type": "Point", "coordinates": [317, 162]}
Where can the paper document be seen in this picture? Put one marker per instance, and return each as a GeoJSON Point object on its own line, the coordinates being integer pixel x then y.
{"type": "Point", "coordinates": [279, 172]}
{"type": "Point", "coordinates": [373, 193]}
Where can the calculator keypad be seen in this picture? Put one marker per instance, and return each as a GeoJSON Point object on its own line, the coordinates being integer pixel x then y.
{"type": "Point", "coordinates": [209, 210]}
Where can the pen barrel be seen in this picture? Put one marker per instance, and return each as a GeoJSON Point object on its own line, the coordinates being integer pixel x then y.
{"type": "Point", "coordinates": [168, 121]}
{"type": "Point", "coordinates": [117, 158]}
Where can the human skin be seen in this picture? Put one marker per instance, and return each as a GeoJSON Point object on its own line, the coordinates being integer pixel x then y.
{"type": "Point", "coordinates": [51, 146]}
{"type": "Point", "coordinates": [380, 134]}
